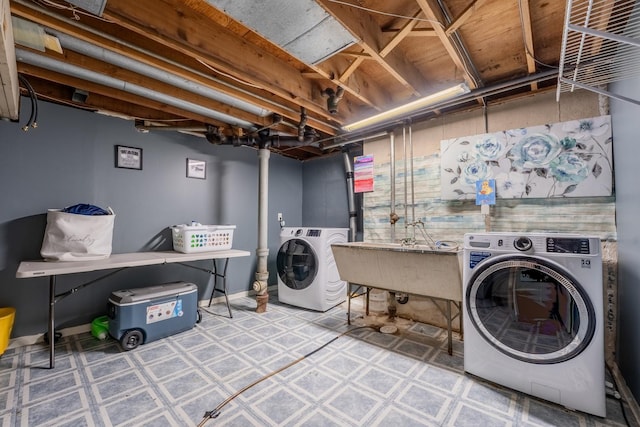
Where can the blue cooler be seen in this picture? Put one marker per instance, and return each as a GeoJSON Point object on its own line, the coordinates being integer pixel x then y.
{"type": "Point", "coordinates": [138, 316]}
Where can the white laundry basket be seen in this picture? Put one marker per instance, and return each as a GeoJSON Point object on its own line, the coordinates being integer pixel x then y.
{"type": "Point", "coordinates": [202, 238]}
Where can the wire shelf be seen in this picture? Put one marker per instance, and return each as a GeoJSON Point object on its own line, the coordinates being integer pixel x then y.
{"type": "Point", "coordinates": [600, 45]}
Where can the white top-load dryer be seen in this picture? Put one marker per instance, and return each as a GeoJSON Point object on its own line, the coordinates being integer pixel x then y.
{"type": "Point", "coordinates": [533, 315]}
{"type": "Point", "coordinates": [307, 273]}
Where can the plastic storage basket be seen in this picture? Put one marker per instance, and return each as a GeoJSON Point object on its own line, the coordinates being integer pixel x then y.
{"type": "Point", "coordinates": [202, 238]}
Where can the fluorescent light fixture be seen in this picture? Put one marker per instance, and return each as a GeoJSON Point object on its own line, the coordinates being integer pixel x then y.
{"type": "Point", "coordinates": [408, 108]}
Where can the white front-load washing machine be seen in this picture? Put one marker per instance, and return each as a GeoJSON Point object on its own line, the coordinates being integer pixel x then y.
{"type": "Point", "coordinates": [307, 273]}
{"type": "Point", "coordinates": [533, 315]}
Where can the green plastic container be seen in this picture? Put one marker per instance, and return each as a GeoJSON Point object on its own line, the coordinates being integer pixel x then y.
{"type": "Point", "coordinates": [100, 327]}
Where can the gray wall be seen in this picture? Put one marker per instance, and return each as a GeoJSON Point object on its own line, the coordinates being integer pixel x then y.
{"type": "Point", "coordinates": [69, 159]}
{"type": "Point", "coordinates": [626, 154]}
{"type": "Point", "coordinates": [324, 194]}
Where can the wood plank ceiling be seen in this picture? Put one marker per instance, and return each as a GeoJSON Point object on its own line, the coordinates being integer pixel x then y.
{"type": "Point", "coordinates": [225, 81]}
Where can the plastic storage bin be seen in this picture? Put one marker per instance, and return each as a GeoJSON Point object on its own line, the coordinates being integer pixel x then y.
{"type": "Point", "coordinates": [202, 238]}
{"type": "Point", "coordinates": [7, 315]}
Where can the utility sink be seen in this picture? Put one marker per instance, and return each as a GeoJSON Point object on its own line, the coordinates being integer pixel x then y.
{"type": "Point", "coordinates": [417, 270]}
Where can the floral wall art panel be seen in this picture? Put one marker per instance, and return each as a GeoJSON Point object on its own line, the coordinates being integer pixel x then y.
{"type": "Point", "coordinates": [567, 159]}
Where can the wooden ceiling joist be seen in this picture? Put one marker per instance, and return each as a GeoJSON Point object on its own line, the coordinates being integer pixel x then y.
{"type": "Point", "coordinates": [463, 17]}
{"type": "Point", "coordinates": [182, 51]}
{"type": "Point", "coordinates": [433, 13]}
{"type": "Point", "coordinates": [527, 31]}
{"type": "Point", "coordinates": [371, 40]}
{"type": "Point", "coordinates": [189, 33]}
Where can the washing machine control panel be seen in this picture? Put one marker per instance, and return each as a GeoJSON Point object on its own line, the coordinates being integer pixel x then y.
{"type": "Point", "coordinates": [568, 245]}
{"type": "Point", "coordinates": [533, 243]}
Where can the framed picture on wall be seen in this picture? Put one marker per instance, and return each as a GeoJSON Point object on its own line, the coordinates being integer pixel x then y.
{"type": "Point", "coordinates": [128, 157]}
{"type": "Point", "coordinates": [196, 169]}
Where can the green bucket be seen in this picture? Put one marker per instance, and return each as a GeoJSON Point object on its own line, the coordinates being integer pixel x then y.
{"type": "Point", "coordinates": [100, 327]}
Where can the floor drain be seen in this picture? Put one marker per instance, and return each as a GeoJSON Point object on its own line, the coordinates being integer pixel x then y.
{"type": "Point", "coordinates": [388, 329]}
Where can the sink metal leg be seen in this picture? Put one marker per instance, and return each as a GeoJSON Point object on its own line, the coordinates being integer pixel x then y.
{"type": "Point", "coordinates": [348, 303]}
{"type": "Point", "coordinates": [449, 332]}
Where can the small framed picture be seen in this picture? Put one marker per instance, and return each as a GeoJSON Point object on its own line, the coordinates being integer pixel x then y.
{"type": "Point", "coordinates": [128, 157]}
{"type": "Point", "coordinates": [196, 169]}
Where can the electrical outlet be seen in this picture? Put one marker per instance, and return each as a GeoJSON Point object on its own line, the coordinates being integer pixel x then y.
{"type": "Point", "coordinates": [279, 216]}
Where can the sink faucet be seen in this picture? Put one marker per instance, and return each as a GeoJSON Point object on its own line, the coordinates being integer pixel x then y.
{"type": "Point", "coordinates": [420, 225]}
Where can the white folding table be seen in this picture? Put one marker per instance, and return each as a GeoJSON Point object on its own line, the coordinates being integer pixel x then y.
{"type": "Point", "coordinates": [118, 262]}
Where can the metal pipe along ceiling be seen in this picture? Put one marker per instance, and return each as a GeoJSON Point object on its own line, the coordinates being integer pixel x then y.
{"type": "Point", "coordinates": [75, 71]}
{"type": "Point", "coordinates": [454, 102]}
{"type": "Point", "coordinates": [88, 29]}
{"type": "Point", "coordinates": [113, 58]}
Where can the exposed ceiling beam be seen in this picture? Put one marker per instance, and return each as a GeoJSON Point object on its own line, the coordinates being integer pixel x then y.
{"type": "Point", "coordinates": [371, 40]}
{"type": "Point", "coordinates": [464, 16]}
{"type": "Point", "coordinates": [416, 32]}
{"type": "Point", "coordinates": [353, 67]}
{"type": "Point", "coordinates": [175, 66]}
{"type": "Point", "coordinates": [433, 13]}
{"type": "Point", "coordinates": [193, 35]}
{"type": "Point", "coordinates": [9, 87]}
{"type": "Point", "coordinates": [527, 30]}
{"type": "Point", "coordinates": [355, 85]}
{"type": "Point", "coordinates": [401, 35]}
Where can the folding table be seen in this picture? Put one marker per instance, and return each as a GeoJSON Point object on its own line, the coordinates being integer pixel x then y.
{"type": "Point", "coordinates": [118, 262]}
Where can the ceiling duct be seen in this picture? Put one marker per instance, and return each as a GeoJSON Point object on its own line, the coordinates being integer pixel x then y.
{"type": "Point", "coordinates": [9, 88]}
{"type": "Point", "coordinates": [600, 45]}
{"type": "Point", "coordinates": [292, 25]}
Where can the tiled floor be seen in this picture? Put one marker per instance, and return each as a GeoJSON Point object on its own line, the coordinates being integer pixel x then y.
{"type": "Point", "coordinates": [362, 378]}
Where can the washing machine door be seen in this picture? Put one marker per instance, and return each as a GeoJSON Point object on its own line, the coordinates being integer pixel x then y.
{"type": "Point", "coordinates": [297, 264]}
{"type": "Point", "coordinates": [530, 309]}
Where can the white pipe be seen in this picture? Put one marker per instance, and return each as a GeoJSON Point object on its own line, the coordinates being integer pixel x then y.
{"type": "Point", "coordinates": [262, 273]}
{"type": "Point", "coordinates": [126, 63]}
{"type": "Point", "coordinates": [81, 73]}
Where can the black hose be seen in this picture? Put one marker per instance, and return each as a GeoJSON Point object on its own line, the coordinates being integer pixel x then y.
{"type": "Point", "coordinates": [215, 412]}
{"type": "Point", "coordinates": [34, 99]}
{"type": "Point", "coordinates": [33, 117]}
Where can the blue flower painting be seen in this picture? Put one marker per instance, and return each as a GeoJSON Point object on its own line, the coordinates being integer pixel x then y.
{"type": "Point", "coordinates": [568, 159]}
